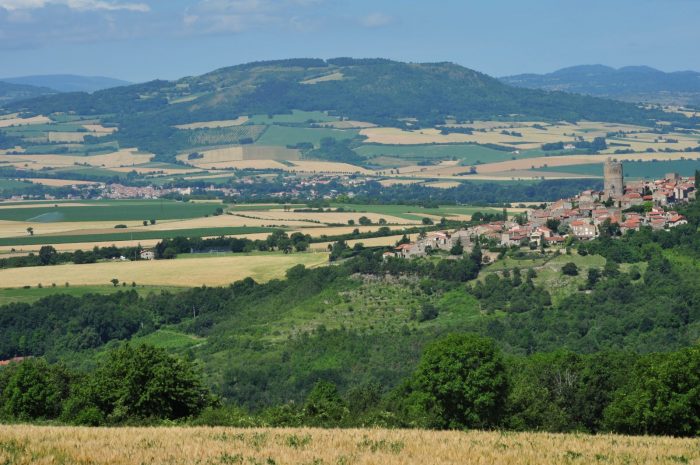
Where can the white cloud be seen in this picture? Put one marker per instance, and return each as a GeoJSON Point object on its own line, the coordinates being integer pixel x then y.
{"type": "Point", "coordinates": [376, 19]}
{"type": "Point", "coordinates": [78, 5]}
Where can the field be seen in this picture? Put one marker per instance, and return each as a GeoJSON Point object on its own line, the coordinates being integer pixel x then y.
{"type": "Point", "coordinates": [633, 169]}
{"type": "Point", "coordinates": [195, 271]}
{"type": "Point", "coordinates": [31, 295]}
{"type": "Point", "coordinates": [25, 445]}
{"type": "Point", "coordinates": [117, 210]}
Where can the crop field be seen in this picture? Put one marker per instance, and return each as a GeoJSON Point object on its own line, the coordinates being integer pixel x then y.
{"type": "Point", "coordinates": [124, 157]}
{"type": "Point", "coordinates": [287, 135]}
{"type": "Point", "coordinates": [210, 271]}
{"type": "Point", "coordinates": [25, 445]}
{"type": "Point", "coordinates": [633, 169]}
{"type": "Point", "coordinates": [326, 217]}
{"type": "Point", "coordinates": [295, 117]}
{"type": "Point", "coordinates": [466, 153]}
{"type": "Point", "coordinates": [416, 213]}
{"type": "Point", "coordinates": [121, 210]}
{"type": "Point", "coordinates": [128, 235]}
{"type": "Point", "coordinates": [215, 124]}
{"type": "Point", "coordinates": [33, 294]}
{"type": "Point", "coordinates": [225, 135]}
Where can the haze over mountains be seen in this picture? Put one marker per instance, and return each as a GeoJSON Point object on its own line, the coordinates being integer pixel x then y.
{"type": "Point", "coordinates": [630, 83]}
{"type": "Point", "coordinates": [379, 91]}
{"type": "Point", "coordinates": [26, 87]}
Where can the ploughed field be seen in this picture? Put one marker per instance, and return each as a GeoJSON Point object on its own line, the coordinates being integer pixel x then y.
{"type": "Point", "coordinates": [24, 445]}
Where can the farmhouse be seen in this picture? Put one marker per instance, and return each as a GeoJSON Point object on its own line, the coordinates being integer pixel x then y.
{"type": "Point", "coordinates": [147, 255]}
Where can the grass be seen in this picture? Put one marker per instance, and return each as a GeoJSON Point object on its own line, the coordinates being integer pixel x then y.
{"type": "Point", "coordinates": [122, 210]}
{"type": "Point", "coordinates": [11, 184]}
{"type": "Point", "coordinates": [296, 117]}
{"type": "Point", "coordinates": [169, 339]}
{"type": "Point", "coordinates": [33, 294]}
{"type": "Point", "coordinates": [130, 236]}
{"type": "Point", "coordinates": [209, 271]}
{"type": "Point", "coordinates": [22, 444]}
{"type": "Point", "coordinates": [634, 169]}
{"type": "Point", "coordinates": [467, 153]}
{"type": "Point", "coordinates": [413, 212]}
{"type": "Point", "coordinates": [286, 135]}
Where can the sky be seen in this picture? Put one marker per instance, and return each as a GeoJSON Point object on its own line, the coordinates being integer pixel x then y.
{"type": "Point", "coordinates": [140, 40]}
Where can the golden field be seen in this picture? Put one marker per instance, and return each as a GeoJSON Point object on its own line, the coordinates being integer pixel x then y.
{"type": "Point", "coordinates": [30, 445]}
{"type": "Point", "coordinates": [124, 157]}
{"type": "Point", "coordinates": [215, 124]}
{"type": "Point", "coordinates": [194, 271]}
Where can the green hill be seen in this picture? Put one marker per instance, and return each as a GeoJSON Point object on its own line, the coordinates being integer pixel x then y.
{"type": "Point", "coordinates": [380, 91]}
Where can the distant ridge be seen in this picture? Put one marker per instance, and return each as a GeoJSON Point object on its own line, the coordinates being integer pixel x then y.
{"type": "Point", "coordinates": [630, 83]}
{"type": "Point", "coordinates": [68, 82]}
{"type": "Point", "coordinates": [14, 92]}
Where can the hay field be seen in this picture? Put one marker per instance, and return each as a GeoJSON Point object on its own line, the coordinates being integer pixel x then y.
{"type": "Point", "coordinates": [370, 242]}
{"type": "Point", "coordinates": [58, 182]}
{"type": "Point", "coordinates": [395, 136]}
{"type": "Point", "coordinates": [24, 445]}
{"type": "Point", "coordinates": [215, 124]}
{"type": "Point", "coordinates": [345, 124]}
{"type": "Point", "coordinates": [6, 123]}
{"type": "Point", "coordinates": [70, 137]}
{"type": "Point", "coordinates": [99, 129]}
{"type": "Point", "coordinates": [444, 184]}
{"type": "Point", "coordinates": [337, 76]}
{"type": "Point", "coordinates": [309, 166]}
{"type": "Point", "coordinates": [210, 271]}
{"type": "Point", "coordinates": [326, 217]}
{"type": "Point", "coordinates": [124, 157]}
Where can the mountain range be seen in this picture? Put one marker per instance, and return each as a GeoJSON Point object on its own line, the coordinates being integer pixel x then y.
{"type": "Point", "coordinates": [27, 87]}
{"type": "Point", "coordinates": [630, 83]}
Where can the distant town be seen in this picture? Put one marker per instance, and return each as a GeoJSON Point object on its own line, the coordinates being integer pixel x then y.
{"type": "Point", "coordinates": [620, 207]}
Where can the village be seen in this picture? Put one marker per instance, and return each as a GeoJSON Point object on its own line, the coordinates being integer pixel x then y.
{"type": "Point", "coordinates": [621, 206]}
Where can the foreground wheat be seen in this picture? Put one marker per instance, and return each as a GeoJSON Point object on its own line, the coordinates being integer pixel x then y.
{"type": "Point", "coordinates": [20, 445]}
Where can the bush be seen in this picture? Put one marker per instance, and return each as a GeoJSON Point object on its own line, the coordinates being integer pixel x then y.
{"type": "Point", "coordinates": [570, 269]}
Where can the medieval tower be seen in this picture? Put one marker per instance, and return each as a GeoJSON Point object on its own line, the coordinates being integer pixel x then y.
{"type": "Point", "coordinates": [614, 187]}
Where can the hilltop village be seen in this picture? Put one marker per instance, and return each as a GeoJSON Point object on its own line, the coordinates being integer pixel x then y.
{"type": "Point", "coordinates": [618, 207]}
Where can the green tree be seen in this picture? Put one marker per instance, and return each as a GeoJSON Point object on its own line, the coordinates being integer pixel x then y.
{"type": "Point", "coordinates": [47, 255]}
{"type": "Point", "coordinates": [457, 249]}
{"type": "Point", "coordinates": [143, 382]}
{"type": "Point", "coordinates": [324, 406]}
{"type": "Point", "coordinates": [570, 269]}
{"type": "Point", "coordinates": [464, 379]}
{"type": "Point", "coordinates": [33, 390]}
{"type": "Point", "coordinates": [114, 281]}
{"type": "Point", "coordinates": [661, 397]}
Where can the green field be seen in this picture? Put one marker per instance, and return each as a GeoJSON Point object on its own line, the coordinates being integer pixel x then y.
{"type": "Point", "coordinates": [12, 184]}
{"type": "Point", "coordinates": [33, 294]}
{"type": "Point", "coordinates": [296, 117]}
{"type": "Point", "coordinates": [413, 212]}
{"type": "Point", "coordinates": [469, 153]}
{"type": "Point", "coordinates": [128, 236]}
{"type": "Point", "coordinates": [634, 169]}
{"type": "Point", "coordinates": [118, 210]}
{"type": "Point", "coordinates": [287, 135]}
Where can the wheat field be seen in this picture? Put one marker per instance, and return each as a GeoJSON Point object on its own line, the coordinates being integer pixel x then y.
{"type": "Point", "coordinates": [191, 271]}
{"type": "Point", "coordinates": [25, 445]}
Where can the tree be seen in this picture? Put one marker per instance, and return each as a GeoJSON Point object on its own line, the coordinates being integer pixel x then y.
{"type": "Point", "coordinates": [33, 390]}
{"type": "Point", "coordinates": [114, 281]}
{"type": "Point", "coordinates": [47, 255]}
{"type": "Point", "coordinates": [661, 396]}
{"type": "Point", "coordinates": [30, 230]}
{"type": "Point", "coordinates": [427, 221]}
{"type": "Point", "coordinates": [463, 377]}
{"type": "Point", "coordinates": [145, 222]}
{"type": "Point", "coordinates": [570, 269]}
{"type": "Point", "coordinates": [364, 221]}
{"type": "Point", "coordinates": [143, 382]}
{"type": "Point", "coordinates": [593, 277]}
{"type": "Point", "coordinates": [153, 221]}
{"type": "Point", "coordinates": [351, 222]}
{"type": "Point", "coordinates": [457, 249]}
{"type": "Point", "coordinates": [324, 406]}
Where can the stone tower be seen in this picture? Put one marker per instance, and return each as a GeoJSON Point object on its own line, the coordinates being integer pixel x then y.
{"type": "Point", "coordinates": [614, 187]}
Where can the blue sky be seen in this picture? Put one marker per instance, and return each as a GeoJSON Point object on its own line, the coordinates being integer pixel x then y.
{"type": "Point", "coordinates": [140, 40]}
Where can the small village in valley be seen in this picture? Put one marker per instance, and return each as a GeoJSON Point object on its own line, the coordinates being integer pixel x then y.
{"type": "Point", "coordinates": [618, 208]}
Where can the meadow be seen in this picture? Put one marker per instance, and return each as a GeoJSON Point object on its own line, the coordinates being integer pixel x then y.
{"type": "Point", "coordinates": [11, 295]}
{"type": "Point", "coordinates": [28, 445]}
{"type": "Point", "coordinates": [633, 169]}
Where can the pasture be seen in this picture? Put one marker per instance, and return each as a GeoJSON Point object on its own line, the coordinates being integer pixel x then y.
{"type": "Point", "coordinates": [25, 445]}
{"type": "Point", "coordinates": [195, 271]}
{"type": "Point", "coordinates": [33, 294]}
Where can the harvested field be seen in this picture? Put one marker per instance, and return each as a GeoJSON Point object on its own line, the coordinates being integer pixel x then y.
{"type": "Point", "coordinates": [99, 129]}
{"type": "Point", "coordinates": [326, 217]}
{"type": "Point", "coordinates": [345, 124]}
{"type": "Point", "coordinates": [337, 76]}
{"type": "Point", "coordinates": [396, 136]}
{"type": "Point", "coordinates": [298, 446]}
{"type": "Point", "coordinates": [444, 184]}
{"type": "Point", "coordinates": [308, 166]}
{"type": "Point", "coordinates": [77, 137]}
{"type": "Point", "coordinates": [399, 182]}
{"type": "Point", "coordinates": [215, 124]}
{"type": "Point", "coordinates": [244, 164]}
{"type": "Point", "coordinates": [124, 157]}
{"type": "Point", "coordinates": [6, 123]}
{"type": "Point", "coordinates": [58, 182]}
{"type": "Point", "coordinates": [210, 271]}
{"type": "Point", "coordinates": [371, 242]}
